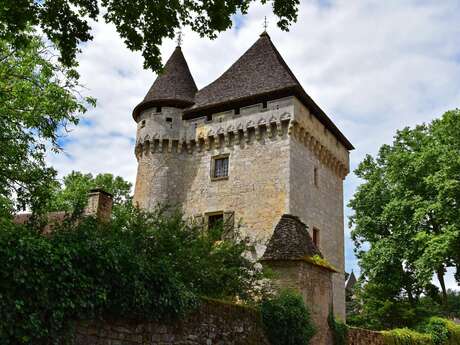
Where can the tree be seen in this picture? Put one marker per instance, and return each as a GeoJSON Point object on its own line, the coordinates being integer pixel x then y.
{"type": "Point", "coordinates": [406, 217]}
{"type": "Point", "coordinates": [38, 99]}
{"type": "Point", "coordinates": [73, 194]}
{"type": "Point", "coordinates": [143, 24]}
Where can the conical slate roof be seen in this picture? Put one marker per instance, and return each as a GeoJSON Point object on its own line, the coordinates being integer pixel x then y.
{"type": "Point", "coordinates": [174, 87]}
{"type": "Point", "coordinates": [351, 282]}
{"type": "Point", "coordinates": [290, 241]}
{"type": "Point", "coordinates": [260, 74]}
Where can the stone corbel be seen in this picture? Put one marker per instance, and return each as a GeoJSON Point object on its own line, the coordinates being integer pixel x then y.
{"type": "Point", "coordinates": [160, 145]}
{"type": "Point", "coordinates": [227, 139]}
{"type": "Point", "coordinates": [217, 141]}
{"type": "Point", "coordinates": [258, 132]}
{"type": "Point", "coordinates": [279, 128]}
{"type": "Point", "coordinates": [246, 135]}
{"type": "Point", "coordinates": [170, 145]}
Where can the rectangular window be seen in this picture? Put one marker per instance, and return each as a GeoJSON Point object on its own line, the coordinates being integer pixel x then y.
{"type": "Point", "coordinates": [215, 220]}
{"type": "Point", "coordinates": [316, 237]}
{"type": "Point", "coordinates": [158, 109]}
{"type": "Point", "coordinates": [219, 168]}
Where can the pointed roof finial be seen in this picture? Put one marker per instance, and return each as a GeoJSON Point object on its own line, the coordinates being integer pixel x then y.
{"type": "Point", "coordinates": [265, 24]}
{"type": "Point", "coordinates": [179, 38]}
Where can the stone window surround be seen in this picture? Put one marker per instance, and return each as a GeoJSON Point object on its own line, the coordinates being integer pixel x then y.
{"type": "Point", "coordinates": [209, 215]}
{"type": "Point", "coordinates": [316, 176]}
{"type": "Point", "coordinates": [316, 237]}
{"type": "Point", "coordinates": [213, 167]}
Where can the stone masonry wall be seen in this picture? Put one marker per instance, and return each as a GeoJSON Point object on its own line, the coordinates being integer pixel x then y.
{"type": "Point", "coordinates": [315, 285]}
{"type": "Point", "coordinates": [320, 207]}
{"type": "Point", "coordinates": [359, 336]}
{"type": "Point", "coordinates": [214, 323]}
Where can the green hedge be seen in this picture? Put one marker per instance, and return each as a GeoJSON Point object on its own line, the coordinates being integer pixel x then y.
{"type": "Point", "coordinates": [287, 320]}
{"type": "Point", "coordinates": [141, 266]}
{"type": "Point", "coordinates": [434, 331]}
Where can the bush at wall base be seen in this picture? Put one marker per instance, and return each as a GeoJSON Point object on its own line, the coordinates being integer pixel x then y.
{"type": "Point", "coordinates": [287, 320]}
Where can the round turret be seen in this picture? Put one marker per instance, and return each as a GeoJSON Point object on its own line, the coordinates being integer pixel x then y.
{"type": "Point", "coordinates": [159, 124]}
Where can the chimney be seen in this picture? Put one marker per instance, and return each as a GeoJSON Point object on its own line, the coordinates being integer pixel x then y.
{"type": "Point", "coordinates": [99, 204]}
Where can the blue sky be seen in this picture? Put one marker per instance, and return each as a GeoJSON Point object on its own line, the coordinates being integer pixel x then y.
{"type": "Point", "coordinates": [373, 66]}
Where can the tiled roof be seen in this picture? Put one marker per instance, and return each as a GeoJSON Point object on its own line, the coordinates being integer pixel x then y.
{"type": "Point", "coordinates": [173, 87]}
{"type": "Point", "coordinates": [260, 70]}
{"type": "Point", "coordinates": [290, 241]}
{"type": "Point", "coordinates": [260, 74]}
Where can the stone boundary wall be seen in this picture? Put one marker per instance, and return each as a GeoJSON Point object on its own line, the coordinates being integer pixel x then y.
{"type": "Point", "coordinates": [213, 323]}
{"type": "Point", "coordinates": [359, 336]}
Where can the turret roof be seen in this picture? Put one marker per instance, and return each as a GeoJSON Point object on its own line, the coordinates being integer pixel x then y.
{"type": "Point", "coordinates": [260, 74]}
{"type": "Point", "coordinates": [173, 87]}
{"type": "Point", "coordinates": [290, 241]}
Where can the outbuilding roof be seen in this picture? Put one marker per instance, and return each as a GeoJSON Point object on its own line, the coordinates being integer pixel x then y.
{"type": "Point", "coordinates": [173, 87]}
{"type": "Point", "coordinates": [290, 241]}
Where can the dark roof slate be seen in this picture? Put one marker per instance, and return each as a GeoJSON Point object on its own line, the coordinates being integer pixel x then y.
{"type": "Point", "coordinates": [290, 241]}
{"type": "Point", "coordinates": [351, 282]}
{"type": "Point", "coordinates": [173, 87]}
{"type": "Point", "coordinates": [261, 69]}
{"type": "Point", "coordinates": [260, 74]}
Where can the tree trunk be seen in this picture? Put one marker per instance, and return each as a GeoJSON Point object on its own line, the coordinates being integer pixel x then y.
{"type": "Point", "coordinates": [440, 274]}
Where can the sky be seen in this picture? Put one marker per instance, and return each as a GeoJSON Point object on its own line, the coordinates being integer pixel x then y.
{"type": "Point", "coordinates": [373, 66]}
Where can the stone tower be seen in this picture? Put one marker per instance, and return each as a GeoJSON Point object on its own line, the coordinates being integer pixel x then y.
{"type": "Point", "coordinates": [247, 148]}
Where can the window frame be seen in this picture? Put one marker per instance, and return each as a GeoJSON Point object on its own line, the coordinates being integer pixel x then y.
{"type": "Point", "coordinates": [316, 176]}
{"type": "Point", "coordinates": [214, 159]}
{"type": "Point", "coordinates": [316, 236]}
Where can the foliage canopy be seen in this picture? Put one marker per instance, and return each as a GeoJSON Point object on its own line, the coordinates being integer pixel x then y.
{"type": "Point", "coordinates": [143, 24]}
{"type": "Point", "coordinates": [406, 218]}
{"type": "Point", "coordinates": [140, 266]}
{"type": "Point", "coordinates": [38, 98]}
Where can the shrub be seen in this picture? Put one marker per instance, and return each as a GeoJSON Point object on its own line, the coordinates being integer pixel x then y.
{"type": "Point", "coordinates": [141, 266]}
{"type": "Point", "coordinates": [443, 332]}
{"type": "Point", "coordinates": [338, 328]}
{"type": "Point", "coordinates": [405, 336]}
{"type": "Point", "coordinates": [437, 328]}
{"type": "Point", "coordinates": [286, 319]}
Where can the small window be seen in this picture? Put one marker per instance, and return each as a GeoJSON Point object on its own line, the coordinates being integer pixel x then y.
{"type": "Point", "coordinates": [209, 118]}
{"type": "Point", "coordinates": [315, 176]}
{"type": "Point", "coordinates": [215, 220]}
{"type": "Point", "coordinates": [219, 168]}
{"type": "Point", "coordinates": [316, 237]}
{"type": "Point", "coordinates": [142, 123]}
{"type": "Point", "coordinates": [264, 104]}
{"type": "Point", "coordinates": [237, 111]}
{"type": "Point", "coordinates": [169, 119]}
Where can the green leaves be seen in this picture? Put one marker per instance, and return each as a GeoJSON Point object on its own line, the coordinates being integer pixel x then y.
{"type": "Point", "coordinates": [143, 24]}
{"type": "Point", "coordinates": [38, 99]}
{"type": "Point", "coordinates": [287, 320]}
{"type": "Point", "coordinates": [406, 217]}
{"type": "Point", "coordinates": [147, 266]}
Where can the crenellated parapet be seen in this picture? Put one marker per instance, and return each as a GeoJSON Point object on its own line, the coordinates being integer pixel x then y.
{"type": "Point", "coordinates": [227, 129]}
{"type": "Point", "coordinates": [319, 148]}
{"type": "Point", "coordinates": [239, 131]}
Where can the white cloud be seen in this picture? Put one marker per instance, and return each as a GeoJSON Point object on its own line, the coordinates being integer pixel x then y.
{"type": "Point", "coordinates": [373, 66]}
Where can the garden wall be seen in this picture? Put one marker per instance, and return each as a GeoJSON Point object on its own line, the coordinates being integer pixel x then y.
{"type": "Point", "coordinates": [213, 323]}
{"type": "Point", "coordinates": [359, 336]}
